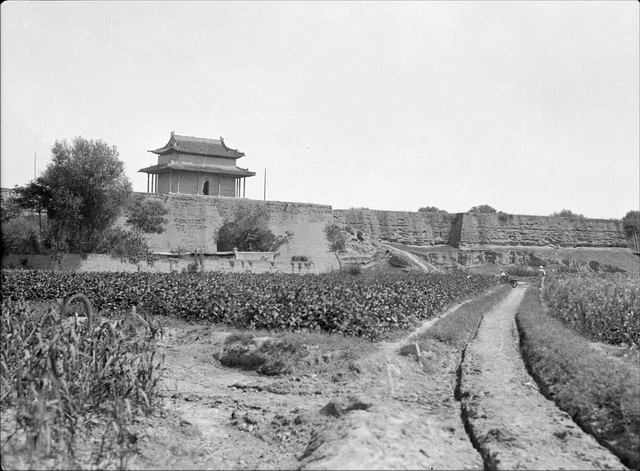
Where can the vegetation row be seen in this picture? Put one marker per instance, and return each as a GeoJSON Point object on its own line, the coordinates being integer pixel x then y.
{"type": "Point", "coordinates": [604, 307]}
{"type": "Point", "coordinates": [64, 379]}
{"type": "Point", "coordinates": [359, 306]}
{"type": "Point", "coordinates": [601, 393]}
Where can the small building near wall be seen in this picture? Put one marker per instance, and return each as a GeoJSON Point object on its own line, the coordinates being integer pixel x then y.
{"type": "Point", "coordinates": [197, 166]}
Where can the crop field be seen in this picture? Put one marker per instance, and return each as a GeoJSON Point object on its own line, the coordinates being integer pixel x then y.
{"type": "Point", "coordinates": [72, 383]}
{"type": "Point", "coordinates": [604, 307]}
{"type": "Point", "coordinates": [358, 306]}
{"type": "Point", "coordinates": [64, 379]}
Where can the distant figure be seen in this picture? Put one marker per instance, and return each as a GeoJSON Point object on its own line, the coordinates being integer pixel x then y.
{"type": "Point", "coordinates": [504, 277]}
{"type": "Point", "coordinates": [541, 276]}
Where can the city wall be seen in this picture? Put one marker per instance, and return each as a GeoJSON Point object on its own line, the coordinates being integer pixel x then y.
{"type": "Point", "coordinates": [478, 229]}
{"type": "Point", "coordinates": [194, 221]}
{"type": "Point", "coordinates": [403, 227]}
{"type": "Point", "coordinates": [514, 230]}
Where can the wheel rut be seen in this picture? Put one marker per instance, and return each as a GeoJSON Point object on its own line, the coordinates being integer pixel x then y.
{"type": "Point", "coordinates": [507, 418]}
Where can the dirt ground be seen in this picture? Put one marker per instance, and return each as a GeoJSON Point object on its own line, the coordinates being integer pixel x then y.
{"type": "Point", "coordinates": [384, 410]}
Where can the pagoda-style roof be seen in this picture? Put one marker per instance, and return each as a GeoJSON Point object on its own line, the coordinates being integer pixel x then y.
{"type": "Point", "coordinates": [198, 146]}
{"type": "Point", "coordinates": [202, 168]}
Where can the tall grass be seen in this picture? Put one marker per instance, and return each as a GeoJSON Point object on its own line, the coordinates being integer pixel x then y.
{"type": "Point", "coordinates": [602, 306]}
{"type": "Point", "coordinates": [62, 378]}
{"type": "Point", "coordinates": [601, 393]}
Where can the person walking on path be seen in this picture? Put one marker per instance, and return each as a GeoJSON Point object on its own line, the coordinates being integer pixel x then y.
{"type": "Point", "coordinates": [541, 276]}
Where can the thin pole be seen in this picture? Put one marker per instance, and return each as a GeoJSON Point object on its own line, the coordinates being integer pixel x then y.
{"type": "Point", "coordinates": [35, 160]}
{"type": "Point", "coordinates": [265, 184]}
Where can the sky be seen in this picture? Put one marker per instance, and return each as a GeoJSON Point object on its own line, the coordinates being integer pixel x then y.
{"type": "Point", "coordinates": [529, 107]}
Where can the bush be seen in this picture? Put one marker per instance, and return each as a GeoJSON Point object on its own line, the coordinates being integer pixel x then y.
{"type": "Point", "coordinates": [354, 269]}
{"type": "Point", "coordinates": [21, 235]}
{"type": "Point", "coordinates": [398, 261]}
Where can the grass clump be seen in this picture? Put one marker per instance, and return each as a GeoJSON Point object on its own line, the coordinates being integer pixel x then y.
{"type": "Point", "coordinates": [66, 380]}
{"type": "Point", "coordinates": [601, 393]}
{"type": "Point", "coordinates": [283, 353]}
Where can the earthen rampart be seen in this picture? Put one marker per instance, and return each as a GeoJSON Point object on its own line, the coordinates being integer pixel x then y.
{"type": "Point", "coordinates": [194, 222]}
{"type": "Point", "coordinates": [478, 229]}
{"type": "Point", "coordinates": [515, 230]}
{"type": "Point", "coordinates": [403, 227]}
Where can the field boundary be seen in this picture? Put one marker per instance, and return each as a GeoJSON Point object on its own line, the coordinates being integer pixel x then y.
{"type": "Point", "coordinates": [528, 351]}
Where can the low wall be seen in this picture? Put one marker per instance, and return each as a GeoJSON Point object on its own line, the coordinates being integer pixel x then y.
{"type": "Point", "coordinates": [105, 263]}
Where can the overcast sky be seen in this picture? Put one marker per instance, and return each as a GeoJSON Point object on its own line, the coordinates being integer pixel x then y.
{"type": "Point", "coordinates": [530, 107]}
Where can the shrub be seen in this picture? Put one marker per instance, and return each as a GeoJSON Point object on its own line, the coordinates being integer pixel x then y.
{"type": "Point", "coordinates": [354, 269]}
{"type": "Point", "coordinates": [398, 261]}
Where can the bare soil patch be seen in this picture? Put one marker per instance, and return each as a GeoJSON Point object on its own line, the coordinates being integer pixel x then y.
{"type": "Point", "coordinates": [382, 410]}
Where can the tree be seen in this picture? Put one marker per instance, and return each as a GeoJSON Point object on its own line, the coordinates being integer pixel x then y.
{"type": "Point", "coordinates": [631, 223]}
{"type": "Point", "coordinates": [146, 216]}
{"type": "Point", "coordinates": [143, 217]}
{"type": "Point", "coordinates": [567, 213]}
{"type": "Point", "coordinates": [249, 232]}
{"type": "Point", "coordinates": [83, 190]}
{"type": "Point", "coordinates": [631, 226]}
{"type": "Point", "coordinates": [431, 209]}
{"type": "Point", "coordinates": [483, 208]}
{"type": "Point", "coordinates": [337, 239]}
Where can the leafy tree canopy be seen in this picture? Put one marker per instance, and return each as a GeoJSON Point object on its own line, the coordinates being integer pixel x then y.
{"type": "Point", "coordinates": [567, 213]}
{"type": "Point", "coordinates": [631, 222]}
{"type": "Point", "coordinates": [431, 209]}
{"type": "Point", "coordinates": [337, 239]}
{"type": "Point", "coordinates": [146, 216]}
{"type": "Point", "coordinates": [483, 208]}
{"type": "Point", "coordinates": [83, 190]}
{"type": "Point", "coordinates": [249, 232]}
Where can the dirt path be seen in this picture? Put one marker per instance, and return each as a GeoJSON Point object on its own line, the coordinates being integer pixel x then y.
{"type": "Point", "coordinates": [422, 264]}
{"type": "Point", "coordinates": [383, 411]}
{"type": "Point", "coordinates": [514, 426]}
{"type": "Point", "coordinates": [412, 422]}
